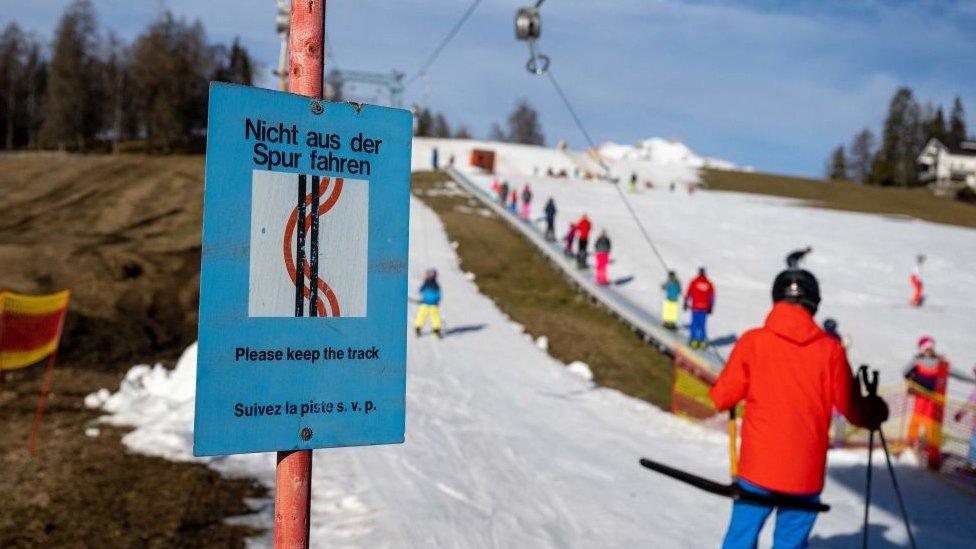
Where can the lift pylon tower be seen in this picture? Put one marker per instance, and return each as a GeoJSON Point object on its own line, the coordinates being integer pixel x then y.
{"type": "Point", "coordinates": [343, 84]}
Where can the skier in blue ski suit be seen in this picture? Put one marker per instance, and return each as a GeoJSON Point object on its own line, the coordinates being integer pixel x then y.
{"type": "Point", "coordinates": [430, 300]}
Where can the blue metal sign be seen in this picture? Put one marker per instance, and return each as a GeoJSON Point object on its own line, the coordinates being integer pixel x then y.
{"type": "Point", "coordinates": [303, 284]}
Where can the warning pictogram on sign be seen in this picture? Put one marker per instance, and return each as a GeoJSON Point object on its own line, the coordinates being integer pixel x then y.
{"type": "Point", "coordinates": [308, 245]}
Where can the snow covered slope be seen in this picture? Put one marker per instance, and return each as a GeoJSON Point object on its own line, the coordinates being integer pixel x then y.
{"type": "Point", "coordinates": [663, 152]}
{"type": "Point", "coordinates": [507, 447]}
{"type": "Point", "coordinates": [863, 263]}
{"type": "Point", "coordinates": [514, 160]}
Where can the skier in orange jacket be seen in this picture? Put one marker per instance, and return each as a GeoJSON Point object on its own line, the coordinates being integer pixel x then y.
{"type": "Point", "coordinates": [791, 375]}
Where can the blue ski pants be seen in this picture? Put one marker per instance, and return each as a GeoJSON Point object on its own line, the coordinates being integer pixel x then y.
{"type": "Point", "coordinates": [792, 525]}
{"type": "Point", "coordinates": [698, 319]}
{"type": "Point", "coordinates": [972, 449]}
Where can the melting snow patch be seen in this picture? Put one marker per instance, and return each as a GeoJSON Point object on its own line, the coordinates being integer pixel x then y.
{"type": "Point", "coordinates": [581, 369]}
{"type": "Point", "coordinates": [542, 342]}
{"type": "Point", "coordinates": [97, 399]}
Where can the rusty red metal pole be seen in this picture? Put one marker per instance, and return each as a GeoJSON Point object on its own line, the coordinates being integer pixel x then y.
{"type": "Point", "coordinates": [42, 401]}
{"type": "Point", "coordinates": [293, 482]}
{"type": "Point", "coordinates": [293, 493]}
{"type": "Point", "coordinates": [306, 47]}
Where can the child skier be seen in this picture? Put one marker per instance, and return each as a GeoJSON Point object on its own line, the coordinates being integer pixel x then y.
{"type": "Point", "coordinates": [970, 406]}
{"type": "Point", "coordinates": [916, 281]}
{"type": "Point", "coordinates": [701, 300]}
{"type": "Point", "coordinates": [583, 227]}
{"type": "Point", "coordinates": [513, 202]}
{"type": "Point", "coordinates": [672, 293]}
{"type": "Point", "coordinates": [927, 376]}
{"type": "Point", "coordinates": [503, 193]}
{"type": "Point", "coordinates": [570, 238]}
{"type": "Point", "coordinates": [430, 300]}
{"type": "Point", "coordinates": [791, 374]}
{"type": "Point", "coordinates": [526, 202]}
{"type": "Point", "coordinates": [550, 212]}
{"type": "Point", "coordinates": [602, 248]}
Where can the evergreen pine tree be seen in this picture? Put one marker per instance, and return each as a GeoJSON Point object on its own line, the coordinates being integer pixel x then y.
{"type": "Point", "coordinates": [171, 68]}
{"type": "Point", "coordinates": [236, 67]}
{"type": "Point", "coordinates": [117, 84]}
{"type": "Point", "coordinates": [524, 126]}
{"type": "Point", "coordinates": [935, 128]}
{"type": "Point", "coordinates": [440, 127]}
{"type": "Point", "coordinates": [72, 106]}
{"type": "Point", "coordinates": [957, 124]}
{"type": "Point", "coordinates": [11, 68]}
{"type": "Point", "coordinates": [496, 133]}
{"type": "Point", "coordinates": [425, 123]}
{"type": "Point", "coordinates": [901, 141]}
{"type": "Point", "coordinates": [837, 164]}
{"type": "Point", "coordinates": [861, 155]}
{"type": "Point", "coordinates": [34, 79]}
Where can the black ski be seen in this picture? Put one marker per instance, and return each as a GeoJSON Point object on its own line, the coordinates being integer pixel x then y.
{"type": "Point", "coordinates": [733, 490]}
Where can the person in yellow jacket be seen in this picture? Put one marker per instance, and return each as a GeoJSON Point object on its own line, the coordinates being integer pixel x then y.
{"type": "Point", "coordinates": [430, 300]}
{"type": "Point", "coordinates": [672, 293]}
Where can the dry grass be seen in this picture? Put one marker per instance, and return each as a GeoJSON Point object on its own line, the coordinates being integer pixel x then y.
{"type": "Point", "coordinates": [844, 195]}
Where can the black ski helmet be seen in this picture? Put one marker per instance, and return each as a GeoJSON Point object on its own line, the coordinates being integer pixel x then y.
{"type": "Point", "coordinates": [797, 286]}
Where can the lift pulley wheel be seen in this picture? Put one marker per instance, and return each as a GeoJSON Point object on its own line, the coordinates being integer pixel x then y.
{"type": "Point", "coordinates": [528, 24]}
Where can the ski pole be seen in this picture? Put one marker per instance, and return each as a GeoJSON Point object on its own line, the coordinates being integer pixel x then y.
{"type": "Point", "coordinates": [733, 449]}
{"type": "Point", "coordinates": [867, 492]}
{"type": "Point", "coordinates": [894, 482]}
{"type": "Point", "coordinates": [872, 386]}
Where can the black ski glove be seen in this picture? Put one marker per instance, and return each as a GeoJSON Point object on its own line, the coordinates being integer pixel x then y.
{"type": "Point", "coordinates": [876, 412]}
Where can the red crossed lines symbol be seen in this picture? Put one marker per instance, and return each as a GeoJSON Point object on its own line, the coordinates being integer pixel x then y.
{"type": "Point", "coordinates": [323, 287]}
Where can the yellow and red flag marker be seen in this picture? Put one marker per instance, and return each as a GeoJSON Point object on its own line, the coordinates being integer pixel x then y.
{"type": "Point", "coordinates": [30, 330]}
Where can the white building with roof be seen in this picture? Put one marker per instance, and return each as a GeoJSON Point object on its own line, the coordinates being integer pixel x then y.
{"type": "Point", "coordinates": [948, 169]}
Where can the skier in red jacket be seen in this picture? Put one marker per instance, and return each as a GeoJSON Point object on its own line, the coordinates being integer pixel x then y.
{"type": "Point", "coordinates": [791, 375]}
{"type": "Point", "coordinates": [701, 299]}
{"type": "Point", "coordinates": [583, 227]}
{"type": "Point", "coordinates": [927, 376]}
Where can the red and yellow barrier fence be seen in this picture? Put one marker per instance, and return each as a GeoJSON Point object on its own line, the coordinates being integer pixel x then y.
{"type": "Point", "coordinates": [30, 327]}
{"type": "Point", "coordinates": [692, 377]}
{"type": "Point", "coordinates": [30, 330]}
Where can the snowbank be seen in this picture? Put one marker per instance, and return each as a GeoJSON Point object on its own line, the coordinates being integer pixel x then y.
{"type": "Point", "coordinates": [666, 152]}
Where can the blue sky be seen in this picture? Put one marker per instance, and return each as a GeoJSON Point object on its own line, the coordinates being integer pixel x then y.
{"type": "Point", "coordinates": [774, 85]}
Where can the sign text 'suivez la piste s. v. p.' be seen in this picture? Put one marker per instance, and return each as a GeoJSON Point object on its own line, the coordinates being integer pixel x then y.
{"type": "Point", "coordinates": [303, 281]}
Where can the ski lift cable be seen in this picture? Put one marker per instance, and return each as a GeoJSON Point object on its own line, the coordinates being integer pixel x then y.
{"type": "Point", "coordinates": [440, 48]}
{"type": "Point", "coordinates": [606, 168]}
